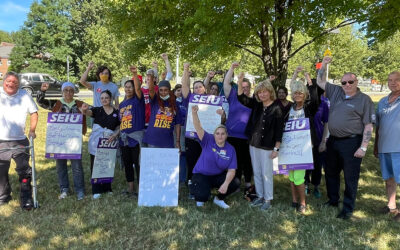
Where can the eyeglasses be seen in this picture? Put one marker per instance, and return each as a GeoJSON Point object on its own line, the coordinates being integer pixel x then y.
{"type": "Point", "coordinates": [350, 82]}
{"type": "Point", "coordinates": [68, 90]}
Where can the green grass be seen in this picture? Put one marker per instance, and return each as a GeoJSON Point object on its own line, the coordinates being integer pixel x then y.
{"type": "Point", "coordinates": [115, 222]}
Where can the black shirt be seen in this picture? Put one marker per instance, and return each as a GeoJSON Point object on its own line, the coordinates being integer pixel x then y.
{"type": "Point", "coordinates": [101, 118]}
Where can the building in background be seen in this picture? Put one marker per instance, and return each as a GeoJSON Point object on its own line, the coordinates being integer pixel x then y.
{"type": "Point", "coordinates": [5, 51]}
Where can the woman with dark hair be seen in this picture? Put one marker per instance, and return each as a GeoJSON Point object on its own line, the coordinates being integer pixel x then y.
{"type": "Point", "coordinates": [132, 117]}
{"type": "Point", "coordinates": [105, 125]}
{"type": "Point", "coordinates": [165, 117]}
{"type": "Point", "coordinates": [104, 82]}
{"type": "Point", "coordinates": [213, 89]}
{"type": "Point", "coordinates": [284, 104]}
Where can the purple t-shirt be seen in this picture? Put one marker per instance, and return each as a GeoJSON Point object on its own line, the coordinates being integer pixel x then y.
{"type": "Point", "coordinates": [213, 159]}
{"type": "Point", "coordinates": [238, 116]}
{"type": "Point", "coordinates": [182, 109]}
{"type": "Point", "coordinates": [321, 117]}
{"type": "Point", "coordinates": [131, 115]}
{"type": "Point", "coordinates": [161, 125]}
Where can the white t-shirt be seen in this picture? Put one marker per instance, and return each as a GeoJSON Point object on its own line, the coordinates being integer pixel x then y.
{"type": "Point", "coordinates": [13, 111]}
{"type": "Point", "coordinates": [296, 114]}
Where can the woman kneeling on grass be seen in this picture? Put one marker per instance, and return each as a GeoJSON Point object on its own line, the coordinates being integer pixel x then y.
{"type": "Point", "coordinates": [67, 104]}
{"type": "Point", "coordinates": [216, 166]}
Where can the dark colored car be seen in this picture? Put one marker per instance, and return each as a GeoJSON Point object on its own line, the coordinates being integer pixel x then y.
{"type": "Point", "coordinates": [31, 82]}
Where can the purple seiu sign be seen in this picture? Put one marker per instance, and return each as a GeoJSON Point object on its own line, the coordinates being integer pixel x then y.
{"type": "Point", "coordinates": [64, 136]}
{"type": "Point", "coordinates": [296, 148]}
{"type": "Point", "coordinates": [209, 119]}
{"type": "Point", "coordinates": [104, 161]}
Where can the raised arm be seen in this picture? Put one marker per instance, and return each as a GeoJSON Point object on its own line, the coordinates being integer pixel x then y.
{"type": "Point", "coordinates": [228, 79]}
{"type": "Point", "coordinates": [240, 82]}
{"type": "Point", "coordinates": [168, 66]}
{"type": "Point", "coordinates": [136, 81]}
{"type": "Point", "coordinates": [296, 72]}
{"type": "Point", "coordinates": [155, 69]}
{"type": "Point", "coordinates": [41, 97]}
{"type": "Point", "coordinates": [308, 78]}
{"type": "Point", "coordinates": [84, 76]}
{"type": "Point", "coordinates": [210, 75]}
{"type": "Point", "coordinates": [185, 80]}
{"type": "Point", "coordinates": [196, 122]}
{"type": "Point", "coordinates": [321, 76]}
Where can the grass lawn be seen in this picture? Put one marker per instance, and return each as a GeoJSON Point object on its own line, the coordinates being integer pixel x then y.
{"type": "Point", "coordinates": [116, 222]}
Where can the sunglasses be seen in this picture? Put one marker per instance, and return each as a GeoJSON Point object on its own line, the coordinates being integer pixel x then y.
{"type": "Point", "coordinates": [350, 82]}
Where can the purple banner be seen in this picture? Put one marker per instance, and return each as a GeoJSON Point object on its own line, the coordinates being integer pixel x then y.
{"type": "Point", "coordinates": [63, 156]}
{"type": "Point", "coordinates": [297, 125]}
{"type": "Point", "coordinates": [300, 166]}
{"type": "Point", "coordinates": [206, 99]}
{"type": "Point", "coordinates": [284, 172]}
{"type": "Point", "coordinates": [101, 180]}
{"type": "Point", "coordinates": [70, 118]}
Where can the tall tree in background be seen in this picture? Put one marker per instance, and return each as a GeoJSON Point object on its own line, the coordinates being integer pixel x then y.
{"type": "Point", "coordinates": [263, 28]}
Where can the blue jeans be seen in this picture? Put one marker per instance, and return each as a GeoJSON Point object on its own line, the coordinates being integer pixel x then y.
{"type": "Point", "coordinates": [77, 175]}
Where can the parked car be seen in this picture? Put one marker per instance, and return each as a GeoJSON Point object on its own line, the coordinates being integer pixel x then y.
{"type": "Point", "coordinates": [31, 82]}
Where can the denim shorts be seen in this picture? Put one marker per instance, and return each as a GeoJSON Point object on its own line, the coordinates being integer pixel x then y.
{"type": "Point", "coordinates": [390, 166]}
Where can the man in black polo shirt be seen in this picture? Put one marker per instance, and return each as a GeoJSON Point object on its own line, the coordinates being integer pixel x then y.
{"type": "Point", "coordinates": [351, 116]}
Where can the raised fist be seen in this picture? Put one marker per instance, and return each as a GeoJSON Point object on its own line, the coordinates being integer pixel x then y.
{"type": "Point", "coordinates": [44, 87]}
{"type": "Point", "coordinates": [133, 69]}
{"type": "Point", "coordinates": [235, 65]}
{"type": "Point", "coordinates": [272, 77]}
{"type": "Point", "coordinates": [186, 66]}
{"type": "Point", "coordinates": [211, 74]}
{"type": "Point", "coordinates": [164, 56]}
{"type": "Point", "coordinates": [91, 65]}
{"type": "Point", "coordinates": [299, 69]}
{"type": "Point", "coordinates": [195, 108]}
{"type": "Point", "coordinates": [327, 60]}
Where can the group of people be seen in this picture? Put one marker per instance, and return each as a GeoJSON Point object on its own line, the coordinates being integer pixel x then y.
{"type": "Point", "coordinates": [152, 114]}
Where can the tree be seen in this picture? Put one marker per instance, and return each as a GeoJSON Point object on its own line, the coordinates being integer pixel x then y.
{"type": "Point", "coordinates": [201, 29]}
{"type": "Point", "coordinates": [382, 19]}
{"type": "Point", "coordinates": [5, 37]}
{"type": "Point", "coordinates": [385, 58]}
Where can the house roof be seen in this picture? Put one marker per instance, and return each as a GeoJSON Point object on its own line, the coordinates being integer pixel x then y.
{"type": "Point", "coordinates": [5, 51]}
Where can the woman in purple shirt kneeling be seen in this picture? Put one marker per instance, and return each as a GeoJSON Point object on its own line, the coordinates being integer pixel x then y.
{"type": "Point", "coordinates": [216, 166]}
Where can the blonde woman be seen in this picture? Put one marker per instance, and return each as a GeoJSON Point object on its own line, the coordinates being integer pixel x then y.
{"type": "Point", "coordinates": [264, 130]}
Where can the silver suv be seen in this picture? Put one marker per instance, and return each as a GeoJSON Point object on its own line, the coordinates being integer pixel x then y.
{"type": "Point", "coordinates": [31, 82]}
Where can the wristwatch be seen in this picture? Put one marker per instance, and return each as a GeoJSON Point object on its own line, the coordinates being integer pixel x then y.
{"type": "Point", "coordinates": [276, 149]}
{"type": "Point", "coordinates": [363, 149]}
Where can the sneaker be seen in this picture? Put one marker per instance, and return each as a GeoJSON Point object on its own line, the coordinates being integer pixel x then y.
{"type": "Point", "coordinates": [302, 209]}
{"type": "Point", "coordinates": [63, 195]}
{"type": "Point", "coordinates": [266, 206]}
{"type": "Point", "coordinates": [387, 210]}
{"type": "Point", "coordinates": [96, 196]}
{"type": "Point", "coordinates": [80, 196]}
{"type": "Point", "coordinates": [257, 202]}
{"type": "Point", "coordinates": [199, 203]}
{"type": "Point", "coordinates": [317, 193]}
{"type": "Point", "coordinates": [220, 203]}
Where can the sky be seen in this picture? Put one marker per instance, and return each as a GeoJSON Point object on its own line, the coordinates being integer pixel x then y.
{"type": "Point", "coordinates": [13, 13]}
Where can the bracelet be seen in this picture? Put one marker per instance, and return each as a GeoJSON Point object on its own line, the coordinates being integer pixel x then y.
{"type": "Point", "coordinates": [276, 149]}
